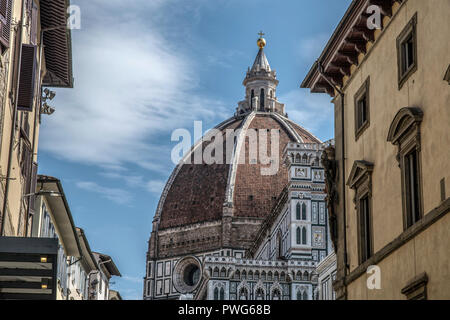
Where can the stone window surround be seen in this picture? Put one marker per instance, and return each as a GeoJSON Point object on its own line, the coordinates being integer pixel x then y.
{"type": "Point", "coordinates": [360, 180]}
{"type": "Point", "coordinates": [411, 28]}
{"type": "Point", "coordinates": [417, 288]}
{"type": "Point", "coordinates": [405, 133]}
{"type": "Point", "coordinates": [364, 91]}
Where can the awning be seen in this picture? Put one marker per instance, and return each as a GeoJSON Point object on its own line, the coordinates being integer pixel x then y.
{"type": "Point", "coordinates": [62, 217]}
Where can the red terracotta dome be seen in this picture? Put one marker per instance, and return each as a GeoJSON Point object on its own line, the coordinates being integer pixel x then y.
{"type": "Point", "coordinates": [207, 207]}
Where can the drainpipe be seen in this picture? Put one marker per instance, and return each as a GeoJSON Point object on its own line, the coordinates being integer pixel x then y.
{"type": "Point", "coordinates": [36, 115]}
{"type": "Point", "coordinates": [14, 119]}
{"type": "Point", "coordinates": [344, 216]}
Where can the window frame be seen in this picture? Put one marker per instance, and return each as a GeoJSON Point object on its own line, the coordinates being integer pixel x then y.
{"type": "Point", "coordinates": [360, 180]}
{"type": "Point", "coordinates": [404, 132]}
{"type": "Point", "coordinates": [410, 30]}
{"type": "Point", "coordinates": [363, 92]}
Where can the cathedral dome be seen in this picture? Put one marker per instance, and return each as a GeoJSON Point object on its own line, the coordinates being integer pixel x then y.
{"type": "Point", "coordinates": [206, 207]}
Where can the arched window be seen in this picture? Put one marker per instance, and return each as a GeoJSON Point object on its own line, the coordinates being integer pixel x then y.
{"type": "Point", "coordinates": [299, 235]}
{"type": "Point", "coordinates": [305, 295]}
{"type": "Point", "coordinates": [216, 272]}
{"type": "Point", "coordinates": [271, 94]}
{"type": "Point", "coordinates": [298, 158]}
{"type": "Point", "coordinates": [244, 275]}
{"type": "Point", "coordinates": [305, 158]}
{"type": "Point", "coordinates": [251, 99]}
{"type": "Point", "coordinates": [297, 210]}
{"type": "Point", "coordinates": [216, 293]}
{"type": "Point", "coordinates": [303, 211]}
{"type": "Point", "coordinates": [269, 276]}
{"type": "Point", "coordinates": [306, 275]}
{"type": "Point", "coordinates": [250, 275]}
{"type": "Point", "coordinates": [299, 295]}
{"type": "Point", "coordinates": [223, 273]}
{"type": "Point", "coordinates": [298, 276]}
{"type": "Point", "coordinates": [237, 274]}
{"type": "Point", "coordinates": [222, 294]}
{"type": "Point", "coordinates": [261, 100]}
{"type": "Point", "coordinates": [243, 294]}
{"type": "Point", "coordinates": [304, 235]}
{"type": "Point", "coordinates": [256, 275]}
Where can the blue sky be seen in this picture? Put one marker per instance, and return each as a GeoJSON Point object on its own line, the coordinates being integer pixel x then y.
{"type": "Point", "coordinates": [143, 68]}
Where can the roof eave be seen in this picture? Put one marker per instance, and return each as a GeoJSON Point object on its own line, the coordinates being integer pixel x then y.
{"type": "Point", "coordinates": [69, 236]}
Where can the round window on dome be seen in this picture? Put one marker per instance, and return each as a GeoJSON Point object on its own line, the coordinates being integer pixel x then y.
{"type": "Point", "coordinates": [187, 274]}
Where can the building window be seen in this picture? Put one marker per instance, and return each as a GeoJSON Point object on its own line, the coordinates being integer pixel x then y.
{"type": "Point", "coordinates": [304, 236]}
{"type": "Point", "coordinates": [261, 100]}
{"type": "Point", "coordinates": [404, 132]}
{"type": "Point", "coordinates": [360, 180]}
{"type": "Point", "coordinates": [222, 294]}
{"type": "Point", "coordinates": [298, 209]}
{"type": "Point", "coordinates": [407, 52]}
{"type": "Point", "coordinates": [216, 293]}
{"type": "Point", "coordinates": [303, 211]}
{"type": "Point", "coordinates": [299, 236]}
{"type": "Point", "coordinates": [365, 232]}
{"type": "Point", "coordinates": [362, 110]}
{"type": "Point", "coordinates": [411, 173]}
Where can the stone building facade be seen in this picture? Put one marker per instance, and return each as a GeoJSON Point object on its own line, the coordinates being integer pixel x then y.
{"type": "Point", "coordinates": [214, 233]}
{"type": "Point", "coordinates": [389, 175]}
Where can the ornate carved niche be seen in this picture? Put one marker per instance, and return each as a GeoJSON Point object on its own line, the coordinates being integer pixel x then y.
{"type": "Point", "coordinates": [330, 165]}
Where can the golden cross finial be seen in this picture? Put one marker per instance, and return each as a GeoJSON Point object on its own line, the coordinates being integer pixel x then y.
{"type": "Point", "coordinates": [261, 41]}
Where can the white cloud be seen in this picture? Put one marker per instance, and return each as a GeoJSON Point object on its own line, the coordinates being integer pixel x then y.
{"type": "Point", "coordinates": [117, 195]}
{"type": "Point", "coordinates": [312, 111]}
{"type": "Point", "coordinates": [131, 85]}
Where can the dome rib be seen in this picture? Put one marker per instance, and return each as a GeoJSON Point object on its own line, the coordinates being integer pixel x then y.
{"type": "Point", "coordinates": [179, 166]}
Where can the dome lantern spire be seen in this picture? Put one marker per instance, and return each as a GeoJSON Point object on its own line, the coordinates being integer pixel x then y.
{"type": "Point", "coordinates": [260, 85]}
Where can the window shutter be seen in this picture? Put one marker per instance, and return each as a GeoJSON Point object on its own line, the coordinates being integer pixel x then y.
{"type": "Point", "coordinates": [27, 78]}
{"type": "Point", "coordinates": [5, 22]}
